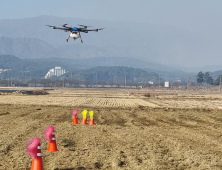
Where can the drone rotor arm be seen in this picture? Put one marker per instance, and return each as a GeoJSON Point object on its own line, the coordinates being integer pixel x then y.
{"type": "Point", "coordinates": [95, 29]}
{"type": "Point", "coordinates": [64, 28]}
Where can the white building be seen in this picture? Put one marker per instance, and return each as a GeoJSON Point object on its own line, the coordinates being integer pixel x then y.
{"type": "Point", "coordinates": [2, 70]}
{"type": "Point", "coordinates": [150, 82]}
{"type": "Point", "coordinates": [167, 84]}
{"type": "Point", "coordinates": [57, 71]}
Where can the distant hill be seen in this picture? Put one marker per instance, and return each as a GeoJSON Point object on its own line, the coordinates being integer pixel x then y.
{"type": "Point", "coordinates": [11, 62]}
{"type": "Point", "coordinates": [35, 67]}
{"type": "Point", "coordinates": [163, 44]}
{"type": "Point", "coordinates": [114, 74]}
{"type": "Point", "coordinates": [24, 47]}
{"type": "Point", "coordinates": [166, 50]}
{"type": "Point", "coordinates": [87, 69]}
{"type": "Point", "coordinates": [7, 61]}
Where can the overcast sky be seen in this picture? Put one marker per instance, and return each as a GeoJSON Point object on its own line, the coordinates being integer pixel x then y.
{"type": "Point", "coordinates": [187, 14]}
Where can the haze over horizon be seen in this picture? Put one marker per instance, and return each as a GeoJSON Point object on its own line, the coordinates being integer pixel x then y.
{"type": "Point", "coordinates": [200, 19]}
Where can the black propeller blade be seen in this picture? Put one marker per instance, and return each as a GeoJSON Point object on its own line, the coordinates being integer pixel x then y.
{"type": "Point", "coordinates": [84, 26]}
{"type": "Point", "coordinates": [98, 29]}
{"type": "Point", "coordinates": [54, 27]}
{"type": "Point", "coordinates": [64, 25]}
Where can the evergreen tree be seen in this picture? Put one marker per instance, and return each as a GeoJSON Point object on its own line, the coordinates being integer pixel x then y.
{"type": "Point", "coordinates": [217, 81]}
{"type": "Point", "coordinates": [200, 77]}
{"type": "Point", "coordinates": [208, 79]}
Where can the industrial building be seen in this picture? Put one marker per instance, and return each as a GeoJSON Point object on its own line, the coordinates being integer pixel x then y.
{"type": "Point", "coordinates": [57, 71]}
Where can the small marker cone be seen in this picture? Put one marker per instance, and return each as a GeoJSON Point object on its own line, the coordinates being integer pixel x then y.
{"type": "Point", "coordinates": [37, 162]}
{"type": "Point", "coordinates": [52, 147]}
{"type": "Point", "coordinates": [75, 120]}
{"type": "Point", "coordinates": [91, 122]}
{"type": "Point", "coordinates": [84, 120]}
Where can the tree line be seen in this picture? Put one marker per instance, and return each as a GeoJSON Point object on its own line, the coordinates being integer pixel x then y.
{"type": "Point", "coordinates": [206, 78]}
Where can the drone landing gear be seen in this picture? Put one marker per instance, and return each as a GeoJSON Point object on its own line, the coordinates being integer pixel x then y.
{"type": "Point", "coordinates": [68, 38]}
{"type": "Point", "coordinates": [80, 38]}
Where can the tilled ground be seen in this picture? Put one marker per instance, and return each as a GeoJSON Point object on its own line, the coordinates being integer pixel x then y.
{"type": "Point", "coordinates": [128, 138]}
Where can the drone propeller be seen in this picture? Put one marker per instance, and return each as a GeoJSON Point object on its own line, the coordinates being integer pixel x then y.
{"type": "Point", "coordinates": [84, 26]}
{"type": "Point", "coordinates": [54, 27]}
{"type": "Point", "coordinates": [64, 25]}
{"type": "Point", "coordinates": [98, 29]}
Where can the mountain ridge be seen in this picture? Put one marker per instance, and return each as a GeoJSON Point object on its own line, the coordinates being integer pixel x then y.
{"type": "Point", "coordinates": [23, 47]}
{"type": "Point", "coordinates": [163, 44]}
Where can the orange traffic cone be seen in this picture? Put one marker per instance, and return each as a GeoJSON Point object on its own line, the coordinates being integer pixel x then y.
{"type": "Point", "coordinates": [52, 144]}
{"type": "Point", "coordinates": [37, 162]}
{"type": "Point", "coordinates": [84, 119]}
{"type": "Point", "coordinates": [74, 116]}
{"type": "Point", "coordinates": [75, 121]}
{"type": "Point", "coordinates": [91, 122]}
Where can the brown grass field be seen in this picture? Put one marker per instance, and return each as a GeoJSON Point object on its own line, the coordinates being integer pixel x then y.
{"type": "Point", "coordinates": [136, 129]}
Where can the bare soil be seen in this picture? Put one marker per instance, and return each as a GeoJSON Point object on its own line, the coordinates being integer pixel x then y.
{"type": "Point", "coordinates": [175, 130]}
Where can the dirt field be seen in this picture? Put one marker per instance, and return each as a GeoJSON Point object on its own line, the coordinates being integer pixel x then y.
{"type": "Point", "coordinates": [138, 129]}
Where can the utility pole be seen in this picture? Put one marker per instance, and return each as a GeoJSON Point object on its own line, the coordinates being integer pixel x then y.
{"type": "Point", "coordinates": [71, 75]}
{"type": "Point", "coordinates": [187, 82]}
{"type": "Point", "coordinates": [11, 81]}
{"type": "Point", "coordinates": [96, 80]}
{"type": "Point", "coordinates": [125, 80]}
{"type": "Point", "coordinates": [220, 83]}
{"type": "Point", "coordinates": [159, 81]}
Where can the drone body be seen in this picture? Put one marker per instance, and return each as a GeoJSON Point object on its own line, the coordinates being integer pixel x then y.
{"type": "Point", "coordinates": [74, 35]}
{"type": "Point", "coordinates": [75, 31]}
